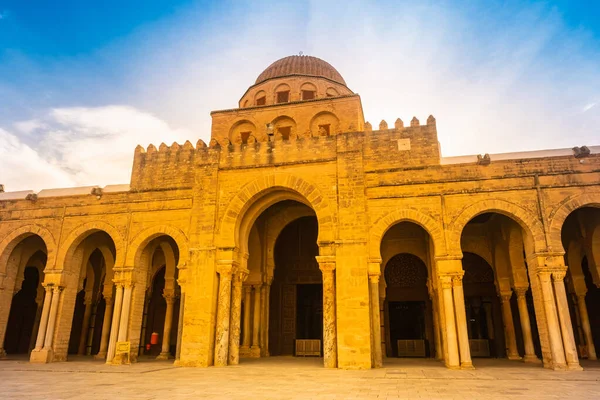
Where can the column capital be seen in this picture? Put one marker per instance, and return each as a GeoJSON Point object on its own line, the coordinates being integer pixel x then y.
{"type": "Point", "coordinates": [240, 277]}
{"type": "Point", "coordinates": [559, 274]}
{"type": "Point", "coordinates": [505, 295]}
{"type": "Point", "coordinates": [374, 278]}
{"type": "Point", "coordinates": [225, 268]}
{"type": "Point", "coordinates": [457, 278]}
{"type": "Point", "coordinates": [247, 289]}
{"type": "Point", "coordinates": [521, 291]}
{"type": "Point", "coordinates": [169, 298]}
{"type": "Point", "coordinates": [581, 296]}
{"type": "Point", "coordinates": [57, 289]}
{"type": "Point", "coordinates": [326, 263]}
{"type": "Point", "coordinates": [257, 286]}
{"type": "Point", "coordinates": [445, 281]}
{"type": "Point", "coordinates": [544, 275]}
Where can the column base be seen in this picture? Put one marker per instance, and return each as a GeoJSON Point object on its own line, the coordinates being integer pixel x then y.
{"type": "Point", "coordinates": [513, 357]}
{"type": "Point", "coordinates": [452, 366]}
{"type": "Point", "coordinates": [42, 356]}
{"type": "Point", "coordinates": [466, 365]}
{"type": "Point", "coordinates": [164, 356]}
{"type": "Point", "coordinates": [2, 353]}
{"type": "Point", "coordinates": [244, 351]}
{"type": "Point", "coordinates": [531, 358]}
{"type": "Point", "coordinates": [120, 359]}
{"type": "Point", "coordinates": [100, 356]}
{"type": "Point", "coordinates": [254, 352]}
{"type": "Point", "coordinates": [558, 367]}
{"type": "Point", "coordinates": [592, 358]}
{"type": "Point", "coordinates": [574, 367]}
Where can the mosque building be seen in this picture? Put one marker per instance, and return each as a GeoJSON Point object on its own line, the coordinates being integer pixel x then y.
{"type": "Point", "coordinates": [302, 230]}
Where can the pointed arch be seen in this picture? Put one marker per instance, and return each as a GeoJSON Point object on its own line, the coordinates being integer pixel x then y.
{"type": "Point", "coordinates": [384, 223]}
{"type": "Point", "coordinates": [559, 214]}
{"type": "Point", "coordinates": [526, 219]}
{"type": "Point", "coordinates": [140, 241]}
{"type": "Point", "coordinates": [293, 187]}
{"type": "Point", "coordinates": [77, 235]}
{"type": "Point", "coordinates": [8, 244]}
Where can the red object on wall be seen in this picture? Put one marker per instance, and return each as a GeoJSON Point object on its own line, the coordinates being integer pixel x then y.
{"type": "Point", "coordinates": [148, 346]}
{"type": "Point", "coordinates": [154, 338]}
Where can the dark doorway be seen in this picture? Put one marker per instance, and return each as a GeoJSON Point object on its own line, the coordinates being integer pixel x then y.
{"type": "Point", "coordinates": [407, 322]}
{"type": "Point", "coordinates": [22, 315]}
{"type": "Point", "coordinates": [309, 312]}
{"type": "Point", "coordinates": [296, 300]}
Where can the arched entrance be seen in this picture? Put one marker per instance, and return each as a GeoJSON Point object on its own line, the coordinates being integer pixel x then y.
{"type": "Point", "coordinates": [93, 259]}
{"type": "Point", "coordinates": [580, 236]}
{"type": "Point", "coordinates": [498, 301]}
{"type": "Point", "coordinates": [158, 263]}
{"type": "Point", "coordinates": [409, 329]}
{"type": "Point", "coordinates": [23, 294]}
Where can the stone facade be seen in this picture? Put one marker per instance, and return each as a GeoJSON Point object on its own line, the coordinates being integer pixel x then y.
{"type": "Point", "coordinates": [205, 220]}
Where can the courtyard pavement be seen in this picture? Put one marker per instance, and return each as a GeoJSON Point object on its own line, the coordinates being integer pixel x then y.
{"type": "Point", "coordinates": [294, 378]}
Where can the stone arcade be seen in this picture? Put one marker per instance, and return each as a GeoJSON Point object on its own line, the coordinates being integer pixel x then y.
{"type": "Point", "coordinates": [300, 222]}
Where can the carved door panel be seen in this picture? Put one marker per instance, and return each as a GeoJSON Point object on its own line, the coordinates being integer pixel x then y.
{"type": "Point", "coordinates": [288, 300]}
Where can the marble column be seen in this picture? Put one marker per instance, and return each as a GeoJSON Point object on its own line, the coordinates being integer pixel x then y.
{"type": "Point", "coordinates": [124, 322]}
{"type": "Point", "coordinates": [236, 316]}
{"type": "Point", "coordinates": [461, 322]}
{"type": "Point", "coordinates": [114, 326]}
{"type": "Point", "coordinates": [526, 326]}
{"type": "Point", "coordinates": [375, 321]}
{"type": "Point", "coordinates": [108, 309]}
{"type": "Point", "coordinates": [439, 352]}
{"type": "Point", "coordinates": [223, 315]}
{"type": "Point", "coordinates": [165, 352]}
{"type": "Point", "coordinates": [565, 320]}
{"type": "Point", "coordinates": [263, 320]}
{"type": "Point", "coordinates": [329, 315]}
{"type": "Point", "coordinates": [512, 353]}
{"type": "Point", "coordinates": [247, 313]}
{"type": "Point", "coordinates": [41, 336]}
{"type": "Point", "coordinates": [554, 334]}
{"type": "Point", "coordinates": [585, 326]}
{"type": "Point", "coordinates": [267, 306]}
{"type": "Point", "coordinates": [180, 325]}
{"type": "Point", "coordinates": [36, 325]}
{"type": "Point", "coordinates": [85, 325]}
{"type": "Point", "coordinates": [256, 319]}
{"type": "Point", "coordinates": [56, 290]}
{"type": "Point", "coordinates": [453, 360]}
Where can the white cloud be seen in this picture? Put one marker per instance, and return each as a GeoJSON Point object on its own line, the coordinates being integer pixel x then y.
{"type": "Point", "coordinates": [80, 146]}
{"type": "Point", "coordinates": [22, 168]}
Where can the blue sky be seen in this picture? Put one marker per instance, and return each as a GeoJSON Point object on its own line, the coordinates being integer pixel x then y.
{"type": "Point", "coordinates": [82, 83]}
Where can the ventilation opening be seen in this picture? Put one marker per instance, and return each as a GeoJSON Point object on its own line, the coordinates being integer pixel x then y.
{"type": "Point", "coordinates": [308, 95]}
{"type": "Point", "coordinates": [285, 131]}
{"type": "Point", "coordinates": [283, 97]}
{"type": "Point", "coordinates": [245, 136]}
{"type": "Point", "coordinates": [324, 130]}
{"type": "Point", "coordinates": [261, 101]}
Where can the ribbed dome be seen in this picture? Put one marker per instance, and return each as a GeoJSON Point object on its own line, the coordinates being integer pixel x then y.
{"type": "Point", "coordinates": [301, 65]}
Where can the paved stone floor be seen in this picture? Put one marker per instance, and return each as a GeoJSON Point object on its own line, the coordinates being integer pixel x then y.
{"type": "Point", "coordinates": [293, 378]}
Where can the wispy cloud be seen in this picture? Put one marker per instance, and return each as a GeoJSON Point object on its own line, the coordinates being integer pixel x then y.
{"type": "Point", "coordinates": [79, 146]}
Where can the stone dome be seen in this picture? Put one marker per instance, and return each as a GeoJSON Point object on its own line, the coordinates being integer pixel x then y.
{"type": "Point", "coordinates": [300, 65]}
